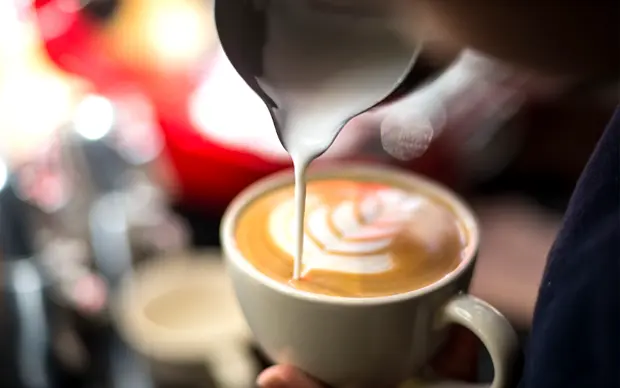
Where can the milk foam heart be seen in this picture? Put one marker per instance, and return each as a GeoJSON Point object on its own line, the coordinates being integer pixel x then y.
{"type": "Point", "coordinates": [350, 236]}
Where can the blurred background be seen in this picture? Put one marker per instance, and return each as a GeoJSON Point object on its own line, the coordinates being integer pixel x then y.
{"type": "Point", "coordinates": [124, 134]}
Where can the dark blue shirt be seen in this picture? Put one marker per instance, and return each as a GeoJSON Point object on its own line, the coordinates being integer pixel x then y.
{"type": "Point", "coordinates": [575, 337]}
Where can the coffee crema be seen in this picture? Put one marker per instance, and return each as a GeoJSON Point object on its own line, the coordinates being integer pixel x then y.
{"type": "Point", "coordinates": [361, 238]}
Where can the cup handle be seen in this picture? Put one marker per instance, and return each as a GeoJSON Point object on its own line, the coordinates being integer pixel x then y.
{"type": "Point", "coordinates": [492, 328]}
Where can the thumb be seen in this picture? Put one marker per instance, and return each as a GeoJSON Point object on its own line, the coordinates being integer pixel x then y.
{"type": "Point", "coordinates": [285, 376]}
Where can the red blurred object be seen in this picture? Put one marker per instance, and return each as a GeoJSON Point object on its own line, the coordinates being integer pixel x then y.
{"type": "Point", "coordinates": [208, 173]}
{"type": "Point", "coordinates": [71, 41]}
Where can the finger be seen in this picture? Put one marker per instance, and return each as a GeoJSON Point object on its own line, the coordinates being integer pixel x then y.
{"type": "Point", "coordinates": [285, 376]}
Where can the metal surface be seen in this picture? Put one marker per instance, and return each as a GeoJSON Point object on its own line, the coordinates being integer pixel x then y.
{"type": "Point", "coordinates": [22, 291]}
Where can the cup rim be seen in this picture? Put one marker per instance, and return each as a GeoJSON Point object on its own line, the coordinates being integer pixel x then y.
{"type": "Point", "coordinates": [405, 178]}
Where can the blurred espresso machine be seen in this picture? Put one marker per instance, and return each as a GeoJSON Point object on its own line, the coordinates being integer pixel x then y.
{"type": "Point", "coordinates": [77, 215]}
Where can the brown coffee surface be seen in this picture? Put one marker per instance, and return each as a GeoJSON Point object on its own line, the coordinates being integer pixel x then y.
{"type": "Point", "coordinates": [362, 238]}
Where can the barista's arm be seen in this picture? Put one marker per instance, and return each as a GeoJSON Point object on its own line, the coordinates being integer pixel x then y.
{"type": "Point", "coordinates": [578, 41]}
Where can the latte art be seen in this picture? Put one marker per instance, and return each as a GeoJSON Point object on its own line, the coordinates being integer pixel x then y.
{"type": "Point", "coordinates": [352, 236]}
{"type": "Point", "coordinates": [361, 238]}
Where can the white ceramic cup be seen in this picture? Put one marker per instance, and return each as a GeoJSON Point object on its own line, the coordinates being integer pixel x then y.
{"type": "Point", "coordinates": [179, 313]}
{"type": "Point", "coordinates": [364, 342]}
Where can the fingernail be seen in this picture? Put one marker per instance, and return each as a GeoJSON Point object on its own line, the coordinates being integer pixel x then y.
{"type": "Point", "coordinates": [265, 380]}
